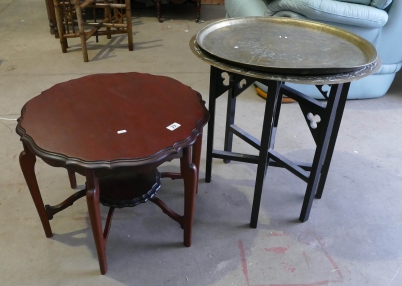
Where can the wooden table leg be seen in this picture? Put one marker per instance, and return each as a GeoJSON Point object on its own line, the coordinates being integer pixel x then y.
{"type": "Point", "coordinates": [129, 26]}
{"type": "Point", "coordinates": [197, 156]}
{"type": "Point", "coordinates": [27, 163]}
{"type": "Point", "coordinates": [189, 172]}
{"type": "Point", "coordinates": [72, 179]}
{"type": "Point", "coordinates": [60, 26]}
{"type": "Point", "coordinates": [95, 218]}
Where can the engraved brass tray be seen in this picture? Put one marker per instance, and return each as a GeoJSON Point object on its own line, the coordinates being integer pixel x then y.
{"type": "Point", "coordinates": [285, 46]}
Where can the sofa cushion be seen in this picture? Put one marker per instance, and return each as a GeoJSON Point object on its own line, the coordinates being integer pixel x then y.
{"type": "Point", "coordinates": [380, 4]}
{"type": "Point", "coordinates": [332, 11]}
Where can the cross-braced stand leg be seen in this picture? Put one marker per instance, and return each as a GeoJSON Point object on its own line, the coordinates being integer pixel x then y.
{"type": "Point", "coordinates": [270, 119]}
{"type": "Point", "coordinates": [213, 94]}
{"type": "Point", "coordinates": [230, 118]}
{"type": "Point", "coordinates": [325, 147]}
{"type": "Point", "coordinates": [237, 84]}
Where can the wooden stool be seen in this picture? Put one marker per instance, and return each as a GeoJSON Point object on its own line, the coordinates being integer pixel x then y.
{"type": "Point", "coordinates": [70, 14]}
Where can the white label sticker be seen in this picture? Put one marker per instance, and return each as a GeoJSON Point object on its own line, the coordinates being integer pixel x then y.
{"type": "Point", "coordinates": [173, 126]}
{"type": "Point", "coordinates": [121, 131]}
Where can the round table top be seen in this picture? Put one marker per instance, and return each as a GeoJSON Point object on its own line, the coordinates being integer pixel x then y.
{"type": "Point", "coordinates": [112, 120]}
{"type": "Point", "coordinates": [301, 79]}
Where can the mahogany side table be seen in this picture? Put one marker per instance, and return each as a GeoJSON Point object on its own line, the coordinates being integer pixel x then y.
{"type": "Point", "coordinates": [115, 129]}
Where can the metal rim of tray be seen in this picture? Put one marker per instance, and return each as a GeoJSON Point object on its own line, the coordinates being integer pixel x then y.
{"type": "Point", "coordinates": [308, 42]}
{"type": "Point", "coordinates": [300, 79]}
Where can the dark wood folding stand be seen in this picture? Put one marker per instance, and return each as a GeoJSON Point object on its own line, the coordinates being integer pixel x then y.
{"type": "Point", "coordinates": [322, 117]}
{"type": "Point", "coordinates": [324, 133]}
{"type": "Point", "coordinates": [115, 134]}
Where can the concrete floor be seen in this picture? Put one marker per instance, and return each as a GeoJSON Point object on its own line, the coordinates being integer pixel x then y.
{"type": "Point", "coordinates": [354, 233]}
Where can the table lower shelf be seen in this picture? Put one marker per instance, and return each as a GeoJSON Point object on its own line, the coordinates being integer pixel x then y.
{"type": "Point", "coordinates": [127, 189]}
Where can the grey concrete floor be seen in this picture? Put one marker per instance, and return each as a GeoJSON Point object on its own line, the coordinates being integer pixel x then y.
{"type": "Point", "coordinates": [353, 236]}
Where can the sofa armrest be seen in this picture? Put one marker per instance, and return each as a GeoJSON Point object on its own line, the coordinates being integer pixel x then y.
{"type": "Point", "coordinates": [244, 8]}
{"type": "Point", "coordinates": [380, 4]}
{"type": "Point", "coordinates": [390, 40]}
{"type": "Point", "coordinates": [332, 11]}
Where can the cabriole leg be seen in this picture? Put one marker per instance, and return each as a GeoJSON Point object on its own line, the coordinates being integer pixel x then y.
{"type": "Point", "coordinates": [27, 163]}
{"type": "Point", "coordinates": [189, 172]}
{"type": "Point", "coordinates": [95, 218]}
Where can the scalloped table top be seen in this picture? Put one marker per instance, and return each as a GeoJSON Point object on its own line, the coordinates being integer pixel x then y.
{"type": "Point", "coordinates": [111, 119]}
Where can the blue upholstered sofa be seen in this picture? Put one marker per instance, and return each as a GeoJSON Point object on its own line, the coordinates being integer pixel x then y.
{"type": "Point", "coordinates": [378, 21]}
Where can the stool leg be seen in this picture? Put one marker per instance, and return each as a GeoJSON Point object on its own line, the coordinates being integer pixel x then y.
{"type": "Point", "coordinates": [158, 10]}
{"type": "Point", "coordinates": [189, 172]}
{"type": "Point", "coordinates": [60, 26]}
{"type": "Point", "coordinates": [108, 16]}
{"type": "Point", "coordinates": [95, 218]}
{"type": "Point", "coordinates": [81, 30]}
{"type": "Point", "coordinates": [129, 26]}
{"type": "Point", "coordinates": [27, 163]}
{"type": "Point", "coordinates": [198, 9]}
{"type": "Point", "coordinates": [51, 16]}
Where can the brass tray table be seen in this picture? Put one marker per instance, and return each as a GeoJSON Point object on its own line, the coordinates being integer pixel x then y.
{"type": "Point", "coordinates": [324, 131]}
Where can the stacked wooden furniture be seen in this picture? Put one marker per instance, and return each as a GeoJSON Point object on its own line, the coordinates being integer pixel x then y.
{"type": "Point", "coordinates": [73, 22]}
{"type": "Point", "coordinates": [197, 3]}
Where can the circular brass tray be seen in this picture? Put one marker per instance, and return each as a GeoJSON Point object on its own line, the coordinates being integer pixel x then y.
{"type": "Point", "coordinates": [321, 79]}
{"type": "Point", "coordinates": [285, 46]}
